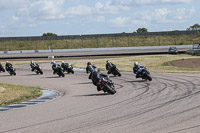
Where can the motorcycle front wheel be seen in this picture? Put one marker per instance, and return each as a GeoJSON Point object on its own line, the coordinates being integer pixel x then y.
{"type": "Point", "coordinates": [109, 89]}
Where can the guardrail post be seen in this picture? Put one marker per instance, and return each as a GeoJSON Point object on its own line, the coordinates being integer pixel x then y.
{"type": "Point", "coordinates": [97, 42]}
{"type": "Point", "coordinates": [81, 42]}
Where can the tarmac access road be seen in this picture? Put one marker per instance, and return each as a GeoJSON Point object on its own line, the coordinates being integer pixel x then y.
{"type": "Point", "coordinates": [91, 52]}
{"type": "Point", "coordinates": [167, 104]}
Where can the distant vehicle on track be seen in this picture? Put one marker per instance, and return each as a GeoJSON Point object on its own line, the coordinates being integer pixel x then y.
{"type": "Point", "coordinates": [172, 50]}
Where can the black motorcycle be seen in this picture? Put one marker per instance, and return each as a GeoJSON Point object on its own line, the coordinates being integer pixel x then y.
{"type": "Point", "coordinates": [115, 71]}
{"type": "Point", "coordinates": [59, 71]}
{"type": "Point", "coordinates": [144, 74]}
{"type": "Point", "coordinates": [106, 85]}
{"type": "Point", "coordinates": [68, 68]}
{"type": "Point", "coordinates": [38, 69]}
{"type": "Point", "coordinates": [2, 69]}
{"type": "Point", "coordinates": [11, 70]}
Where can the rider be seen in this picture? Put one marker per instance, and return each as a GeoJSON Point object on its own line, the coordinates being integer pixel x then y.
{"type": "Point", "coordinates": [109, 66]}
{"type": "Point", "coordinates": [64, 65]}
{"type": "Point", "coordinates": [54, 66]}
{"type": "Point", "coordinates": [95, 78]}
{"type": "Point", "coordinates": [32, 64]}
{"type": "Point", "coordinates": [90, 68]}
{"type": "Point", "coordinates": [136, 69]}
{"type": "Point", "coordinates": [8, 66]}
{"type": "Point", "coordinates": [1, 67]}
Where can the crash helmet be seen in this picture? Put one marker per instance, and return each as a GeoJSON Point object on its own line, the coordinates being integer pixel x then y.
{"type": "Point", "coordinates": [63, 62]}
{"type": "Point", "coordinates": [31, 61]}
{"type": "Point", "coordinates": [135, 64]}
{"type": "Point", "coordinates": [7, 62]}
{"type": "Point", "coordinates": [89, 63]}
{"type": "Point", "coordinates": [107, 61]}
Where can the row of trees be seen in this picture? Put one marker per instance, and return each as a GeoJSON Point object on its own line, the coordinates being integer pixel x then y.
{"type": "Point", "coordinates": [193, 27]}
{"type": "Point", "coordinates": [139, 30]}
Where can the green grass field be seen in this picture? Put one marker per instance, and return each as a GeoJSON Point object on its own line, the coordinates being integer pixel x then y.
{"type": "Point", "coordinates": [100, 42]}
{"type": "Point", "coordinates": [10, 94]}
{"type": "Point", "coordinates": [154, 63]}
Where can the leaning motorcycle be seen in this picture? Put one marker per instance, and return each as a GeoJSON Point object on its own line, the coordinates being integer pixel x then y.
{"type": "Point", "coordinates": [59, 71]}
{"type": "Point", "coordinates": [11, 71]}
{"type": "Point", "coordinates": [115, 71]}
{"type": "Point", "coordinates": [38, 69]}
{"type": "Point", "coordinates": [106, 85]}
{"type": "Point", "coordinates": [68, 69]}
{"type": "Point", "coordinates": [145, 74]}
{"type": "Point", "coordinates": [2, 69]}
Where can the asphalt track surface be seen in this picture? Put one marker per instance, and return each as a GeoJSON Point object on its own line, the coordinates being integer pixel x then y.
{"type": "Point", "coordinates": [116, 51]}
{"type": "Point", "coordinates": [167, 104]}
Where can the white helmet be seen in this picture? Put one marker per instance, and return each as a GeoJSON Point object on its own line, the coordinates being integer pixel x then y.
{"type": "Point", "coordinates": [135, 63]}
{"type": "Point", "coordinates": [63, 62]}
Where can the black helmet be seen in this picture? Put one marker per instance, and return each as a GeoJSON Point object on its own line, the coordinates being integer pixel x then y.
{"type": "Point", "coordinates": [89, 63]}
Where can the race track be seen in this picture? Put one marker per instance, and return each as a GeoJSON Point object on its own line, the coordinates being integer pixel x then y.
{"type": "Point", "coordinates": [168, 104]}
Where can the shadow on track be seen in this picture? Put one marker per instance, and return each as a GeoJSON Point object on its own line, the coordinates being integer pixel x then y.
{"type": "Point", "coordinates": [33, 74]}
{"type": "Point", "coordinates": [137, 81]}
{"type": "Point", "coordinates": [54, 77]}
{"type": "Point", "coordinates": [90, 95]}
{"type": "Point", "coordinates": [84, 83]}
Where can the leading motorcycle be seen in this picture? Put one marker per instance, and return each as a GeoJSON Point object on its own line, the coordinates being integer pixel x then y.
{"type": "Point", "coordinates": [144, 74]}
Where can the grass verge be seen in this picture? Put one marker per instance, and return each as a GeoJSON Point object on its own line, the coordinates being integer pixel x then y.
{"type": "Point", "coordinates": [154, 63]}
{"type": "Point", "coordinates": [11, 94]}
{"type": "Point", "coordinates": [131, 41]}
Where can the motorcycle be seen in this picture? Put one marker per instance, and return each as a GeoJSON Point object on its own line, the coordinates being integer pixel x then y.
{"type": "Point", "coordinates": [144, 74]}
{"type": "Point", "coordinates": [68, 68]}
{"type": "Point", "coordinates": [38, 69]}
{"type": "Point", "coordinates": [106, 85]}
{"type": "Point", "coordinates": [115, 71]}
{"type": "Point", "coordinates": [2, 69]}
{"type": "Point", "coordinates": [59, 71]}
{"type": "Point", "coordinates": [11, 70]}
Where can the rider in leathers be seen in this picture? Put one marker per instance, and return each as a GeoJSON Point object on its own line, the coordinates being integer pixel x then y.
{"type": "Point", "coordinates": [109, 66]}
{"type": "Point", "coordinates": [33, 65]}
{"type": "Point", "coordinates": [54, 66]}
{"type": "Point", "coordinates": [64, 65]}
{"type": "Point", "coordinates": [136, 69]}
{"type": "Point", "coordinates": [8, 66]}
{"type": "Point", "coordinates": [1, 67]}
{"type": "Point", "coordinates": [90, 68]}
{"type": "Point", "coordinates": [96, 76]}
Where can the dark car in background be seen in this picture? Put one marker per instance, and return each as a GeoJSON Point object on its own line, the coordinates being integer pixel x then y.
{"type": "Point", "coordinates": [172, 50]}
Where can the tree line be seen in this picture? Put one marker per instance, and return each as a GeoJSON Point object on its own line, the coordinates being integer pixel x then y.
{"type": "Point", "coordinates": [139, 30]}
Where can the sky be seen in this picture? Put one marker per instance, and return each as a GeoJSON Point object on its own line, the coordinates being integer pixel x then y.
{"type": "Point", "coordinates": [80, 17]}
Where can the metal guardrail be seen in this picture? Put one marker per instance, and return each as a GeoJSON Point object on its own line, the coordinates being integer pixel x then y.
{"type": "Point", "coordinates": [90, 52]}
